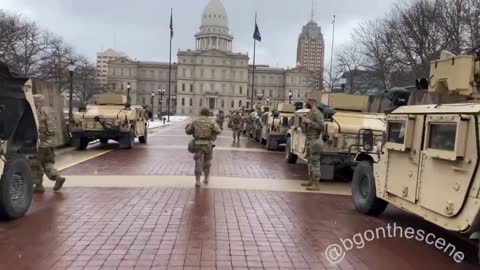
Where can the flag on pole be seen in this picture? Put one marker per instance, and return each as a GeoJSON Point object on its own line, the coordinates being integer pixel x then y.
{"type": "Point", "coordinates": [171, 24]}
{"type": "Point", "coordinates": [256, 34]}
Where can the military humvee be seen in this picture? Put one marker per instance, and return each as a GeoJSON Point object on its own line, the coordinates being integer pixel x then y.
{"type": "Point", "coordinates": [429, 164]}
{"type": "Point", "coordinates": [350, 135]}
{"type": "Point", "coordinates": [277, 124]}
{"type": "Point", "coordinates": [18, 138]}
{"type": "Point", "coordinates": [111, 118]}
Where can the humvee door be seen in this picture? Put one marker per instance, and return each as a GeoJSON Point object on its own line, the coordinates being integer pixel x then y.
{"type": "Point", "coordinates": [403, 151]}
{"type": "Point", "coordinates": [431, 159]}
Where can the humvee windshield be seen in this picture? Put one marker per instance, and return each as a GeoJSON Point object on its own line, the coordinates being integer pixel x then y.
{"type": "Point", "coordinates": [396, 132]}
{"type": "Point", "coordinates": [442, 136]}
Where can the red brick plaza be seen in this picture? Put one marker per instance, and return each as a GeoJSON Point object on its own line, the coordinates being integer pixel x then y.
{"type": "Point", "coordinates": [223, 227]}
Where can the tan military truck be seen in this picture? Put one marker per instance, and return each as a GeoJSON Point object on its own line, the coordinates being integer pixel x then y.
{"type": "Point", "coordinates": [18, 138]}
{"type": "Point", "coordinates": [429, 163]}
{"type": "Point", "coordinates": [350, 135]}
{"type": "Point", "coordinates": [277, 124]}
{"type": "Point", "coordinates": [111, 118]}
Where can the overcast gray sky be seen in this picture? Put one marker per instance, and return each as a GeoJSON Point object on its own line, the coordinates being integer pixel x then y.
{"type": "Point", "coordinates": [140, 27]}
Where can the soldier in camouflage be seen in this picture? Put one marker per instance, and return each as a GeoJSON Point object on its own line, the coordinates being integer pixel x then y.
{"type": "Point", "coordinates": [236, 122]}
{"type": "Point", "coordinates": [249, 123]}
{"type": "Point", "coordinates": [204, 131]}
{"type": "Point", "coordinates": [220, 119]}
{"type": "Point", "coordinates": [313, 126]}
{"type": "Point", "coordinates": [44, 161]}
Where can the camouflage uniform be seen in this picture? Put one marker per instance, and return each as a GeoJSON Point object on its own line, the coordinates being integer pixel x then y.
{"type": "Point", "coordinates": [249, 121]}
{"type": "Point", "coordinates": [236, 121]}
{"type": "Point", "coordinates": [313, 133]}
{"type": "Point", "coordinates": [220, 120]}
{"type": "Point", "coordinates": [204, 131]}
{"type": "Point", "coordinates": [44, 161]}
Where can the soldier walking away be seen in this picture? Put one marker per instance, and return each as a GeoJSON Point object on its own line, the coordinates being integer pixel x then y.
{"type": "Point", "coordinates": [236, 122]}
{"type": "Point", "coordinates": [204, 131]}
{"type": "Point", "coordinates": [220, 119]}
{"type": "Point", "coordinates": [44, 161]}
{"type": "Point", "coordinates": [313, 126]}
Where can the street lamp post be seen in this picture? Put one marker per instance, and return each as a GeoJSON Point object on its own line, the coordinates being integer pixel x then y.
{"type": "Point", "coordinates": [153, 98]}
{"type": "Point", "coordinates": [290, 95]}
{"type": "Point", "coordinates": [71, 69]}
{"type": "Point", "coordinates": [268, 101]}
{"type": "Point", "coordinates": [260, 97]}
{"type": "Point", "coordinates": [161, 92]}
{"type": "Point", "coordinates": [129, 86]}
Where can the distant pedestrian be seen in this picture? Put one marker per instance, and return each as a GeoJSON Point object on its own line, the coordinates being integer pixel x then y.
{"type": "Point", "coordinates": [204, 131]}
{"type": "Point", "coordinates": [236, 122]}
{"type": "Point", "coordinates": [220, 119]}
{"type": "Point", "coordinates": [44, 161]}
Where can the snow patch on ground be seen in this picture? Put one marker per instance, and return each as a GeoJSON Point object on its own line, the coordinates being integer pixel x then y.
{"type": "Point", "coordinates": [159, 123]}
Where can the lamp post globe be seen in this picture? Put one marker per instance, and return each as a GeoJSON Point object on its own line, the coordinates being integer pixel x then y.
{"type": "Point", "coordinates": [71, 69]}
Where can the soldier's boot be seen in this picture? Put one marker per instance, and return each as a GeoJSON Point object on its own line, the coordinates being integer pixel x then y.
{"type": "Point", "coordinates": [197, 181]}
{"type": "Point", "coordinates": [38, 188]}
{"type": "Point", "coordinates": [315, 186]}
{"type": "Point", "coordinates": [59, 181]}
{"type": "Point", "coordinates": [207, 179]}
{"type": "Point", "coordinates": [308, 184]}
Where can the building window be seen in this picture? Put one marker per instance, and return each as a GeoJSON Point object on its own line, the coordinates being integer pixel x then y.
{"type": "Point", "coordinates": [191, 87]}
{"type": "Point", "coordinates": [239, 103]}
{"type": "Point", "coordinates": [270, 94]}
{"type": "Point", "coordinates": [183, 101]}
{"type": "Point", "coordinates": [121, 86]}
{"type": "Point", "coordinates": [201, 102]}
{"type": "Point", "coordinates": [223, 103]}
{"type": "Point", "coordinates": [241, 90]}
{"type": "Point", "coordinates": [183, 87]}
{"type": "Point", "coordinates": [191, 102]}
{"type": "Point", "coordinates": [143, 101]}
{"type": "Point", "coordinates": [232, 104]}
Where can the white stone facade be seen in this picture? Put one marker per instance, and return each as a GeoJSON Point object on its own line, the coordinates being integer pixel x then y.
{"type": "Point", "coordinates": [102, 63]}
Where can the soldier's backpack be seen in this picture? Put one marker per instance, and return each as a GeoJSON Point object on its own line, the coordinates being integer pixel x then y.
{"type": "Point", "coordinates": [202, 130]}
{"type": "Point", "coordinates": [236, 120]}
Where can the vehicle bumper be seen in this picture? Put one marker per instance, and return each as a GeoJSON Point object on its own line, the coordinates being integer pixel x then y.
{"type": "Point", "coordinates": [111, 133]}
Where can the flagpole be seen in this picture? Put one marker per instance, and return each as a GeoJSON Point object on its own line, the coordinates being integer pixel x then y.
{"type": "Point", "coordinates": [253, 73]}
{"type": "Point", "coordinates": [170, 68]}
{"type": "Point", "coordinates": [331, 56]}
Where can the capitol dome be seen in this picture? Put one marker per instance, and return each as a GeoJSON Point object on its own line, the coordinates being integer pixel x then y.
{"type": "Point", "coordinates": [213, 32]}
{"type": "Point", "coordinates": [214, 15]}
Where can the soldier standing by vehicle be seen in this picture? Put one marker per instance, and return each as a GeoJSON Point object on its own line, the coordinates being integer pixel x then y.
{"type": "Point", "coordinates": [44, 161]}
{"type": "Point", "coordinates": [204, 131]}
{"type": "Point", "coordinates": [314, 125]}
{"type": "Point", "coordinates": [220, 119]}
{"type": "Point", "coordinates": [236, 123]}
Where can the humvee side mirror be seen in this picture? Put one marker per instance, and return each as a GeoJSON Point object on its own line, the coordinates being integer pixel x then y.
{"type": "Point", "coordinates": [367, 140]}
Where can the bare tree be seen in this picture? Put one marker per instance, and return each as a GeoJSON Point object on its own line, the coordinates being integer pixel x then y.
{"type": "Point", "coordinates": [85, 85]}
{"type": "Point", "coordinates": [351, 61]}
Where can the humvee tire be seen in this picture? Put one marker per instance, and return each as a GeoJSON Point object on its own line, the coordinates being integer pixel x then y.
{"type": "Point", "coordinates": [364, 191]}
{"type": "Point", "coordinates": [82, 144]}
{"type": "Point", "coordinates": [128, 141]}
{"type": "Point", "coordinates": [271, 145]}
{"type": "Point", "coordinates": [291, 158]}
{"type": "Point", "coordinates": [16, 188]}
{"type": "Point", "coordinates": [143, 139]}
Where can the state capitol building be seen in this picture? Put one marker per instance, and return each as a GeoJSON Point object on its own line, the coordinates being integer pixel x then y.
{"type": "Point", "coordinates": [211, 75]}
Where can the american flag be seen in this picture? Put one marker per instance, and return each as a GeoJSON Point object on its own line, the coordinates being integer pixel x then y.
{"type": "Point", "coordinates": [171, 24]}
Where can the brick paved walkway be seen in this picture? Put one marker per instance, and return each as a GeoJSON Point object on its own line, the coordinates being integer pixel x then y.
{"type": "Point", "coordinates": [166, 154]}
{"type": "Point", "coordinates": [163, 228]}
